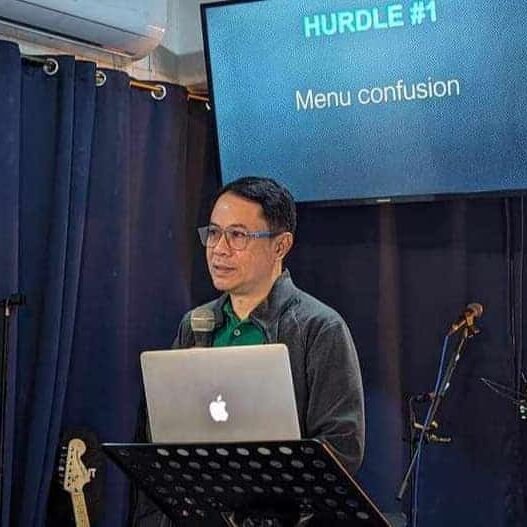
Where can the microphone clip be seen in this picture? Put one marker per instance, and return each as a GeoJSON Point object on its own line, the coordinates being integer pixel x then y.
{"type": "Point", "coordinates": [471, 330]}
{"type": "Point", "coordinates": [430, 436]}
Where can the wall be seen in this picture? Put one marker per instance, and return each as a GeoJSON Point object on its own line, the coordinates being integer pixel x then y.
{"type": "Point", "coordinates": [179, 58]}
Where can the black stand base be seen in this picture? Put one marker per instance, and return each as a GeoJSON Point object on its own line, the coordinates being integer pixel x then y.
{"type": "Point", "coordinates": [271, 519]}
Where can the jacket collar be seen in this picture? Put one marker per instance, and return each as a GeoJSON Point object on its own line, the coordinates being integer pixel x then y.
{"type": "Point", "coordinates": [281, 296]}
{"type": "Point", "coordinates": [267, 313]}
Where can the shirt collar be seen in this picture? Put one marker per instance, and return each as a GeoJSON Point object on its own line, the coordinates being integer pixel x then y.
{"type": "Point", "coordinates": [228, 311]}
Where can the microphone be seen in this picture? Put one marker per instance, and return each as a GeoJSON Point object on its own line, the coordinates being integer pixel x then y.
{"type": "Point", "coordinates": [471, 312]}
{"type": "Point", "coordinates": [202, 322]}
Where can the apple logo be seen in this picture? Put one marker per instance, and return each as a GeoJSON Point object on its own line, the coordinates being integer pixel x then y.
{"type": "Point", "coordinates": [218, 411]}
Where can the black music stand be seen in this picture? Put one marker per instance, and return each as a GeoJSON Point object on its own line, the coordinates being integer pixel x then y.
{"type": "Point", "coordinates": [290, 480]}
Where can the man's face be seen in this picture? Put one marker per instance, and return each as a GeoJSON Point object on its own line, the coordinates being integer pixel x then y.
{"type": "Point", "coordinates": [244, 272]}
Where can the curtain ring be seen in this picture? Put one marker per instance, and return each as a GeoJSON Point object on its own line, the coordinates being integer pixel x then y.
{"type": "Point", "coordinates": [159, 92]}
{"type": "Point", "coordinates": [51, 66]}
{"type": "Point", "coordinates": [100, 78]}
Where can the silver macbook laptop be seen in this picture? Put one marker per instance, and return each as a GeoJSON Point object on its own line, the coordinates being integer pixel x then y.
{"type": "Point", "coordinates": [238, 393]}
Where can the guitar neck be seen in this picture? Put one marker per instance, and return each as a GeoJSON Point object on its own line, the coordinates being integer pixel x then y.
{"type": "Point", "coordinates": [80, 510]}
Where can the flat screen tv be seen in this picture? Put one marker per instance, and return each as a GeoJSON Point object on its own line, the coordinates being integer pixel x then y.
{"type": "Point", "coordinates": [369, 100]}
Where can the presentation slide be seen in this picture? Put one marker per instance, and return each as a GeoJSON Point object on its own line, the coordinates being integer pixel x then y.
{"type": "Point", "coordinates": [371, 100]}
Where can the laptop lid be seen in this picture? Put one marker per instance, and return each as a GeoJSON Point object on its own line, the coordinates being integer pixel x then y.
{"type": "Point", "coordinates": [238, 393]}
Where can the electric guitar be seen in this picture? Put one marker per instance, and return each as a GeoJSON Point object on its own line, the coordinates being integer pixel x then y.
{"type": "Point", "coordinates": [76, 476]}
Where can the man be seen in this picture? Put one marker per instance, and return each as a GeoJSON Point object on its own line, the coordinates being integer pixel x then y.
{"type": "Point", "coordinates": [250, 233]}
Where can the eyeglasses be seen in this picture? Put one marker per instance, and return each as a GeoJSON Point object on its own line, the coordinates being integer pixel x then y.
{"type": "Point", "coordinates": [236, 238]}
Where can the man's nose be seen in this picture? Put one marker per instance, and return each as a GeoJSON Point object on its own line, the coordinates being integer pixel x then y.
{"type": "Point", "coordinates": [223, 245]}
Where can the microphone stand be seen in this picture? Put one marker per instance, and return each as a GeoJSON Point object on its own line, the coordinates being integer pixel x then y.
{"type": "Point", "coordinates": [6, 305]}
{"type": "Point", "coordinates": [468, 332]}
{"type": "Point", "coordinates": [415, 429]}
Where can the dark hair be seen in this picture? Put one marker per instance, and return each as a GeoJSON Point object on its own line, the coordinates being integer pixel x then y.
{"type": "Point", "coordinates": [276, 201]}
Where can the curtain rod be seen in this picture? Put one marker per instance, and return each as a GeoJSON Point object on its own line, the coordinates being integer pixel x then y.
{"type": "Point", "coordinates": [197, 97]}
{"type": "Point", "coordinates": [38, 60]}
{"type": "Point", "coordinates": [50, 65]}
{"type": "Point", "coordinates": [158, 91]}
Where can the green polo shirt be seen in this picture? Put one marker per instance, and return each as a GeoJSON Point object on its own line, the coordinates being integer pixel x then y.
{"type": "Point", "coordinates": [236, 332]}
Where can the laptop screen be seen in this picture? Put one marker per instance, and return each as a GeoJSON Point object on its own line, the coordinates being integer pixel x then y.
{"type": "Point", "coordinates": [238, 393]}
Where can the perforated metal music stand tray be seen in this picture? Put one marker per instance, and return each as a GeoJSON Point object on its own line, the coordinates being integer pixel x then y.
{"type": "Point", "coordinates": [291, 480]}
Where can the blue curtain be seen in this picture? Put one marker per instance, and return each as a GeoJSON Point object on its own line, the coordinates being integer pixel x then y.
{"type": "Point", "coordinates": [92, 230]}
{"type": "Point", "coordinates": [10, 83]}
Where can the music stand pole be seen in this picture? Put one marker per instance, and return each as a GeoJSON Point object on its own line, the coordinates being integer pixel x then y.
{"type": "Point", "coordinates": [6, 305]}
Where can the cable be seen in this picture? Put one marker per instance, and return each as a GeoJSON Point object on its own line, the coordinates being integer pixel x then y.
{"type": "Point", "coordinates": [521, 252]}
{"type": "Point", "coordinates": [509, 255]}
{"type": "Point", "coordinates": [513, 396]}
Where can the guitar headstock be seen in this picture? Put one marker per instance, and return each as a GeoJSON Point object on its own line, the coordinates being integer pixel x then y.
{"type": "Point", "coordinates": [79, 475]}
{"type": "Point", "coordinates": [73, 472]}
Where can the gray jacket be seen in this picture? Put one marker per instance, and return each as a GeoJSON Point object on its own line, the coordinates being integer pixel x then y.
{"type": "Point", "coordinates": [326, 374]}
{"type": "Point", "coordinates": [324, 363]}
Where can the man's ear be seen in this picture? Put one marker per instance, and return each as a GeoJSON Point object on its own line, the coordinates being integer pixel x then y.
{"type": "Point", "coordinates": [283, 245]}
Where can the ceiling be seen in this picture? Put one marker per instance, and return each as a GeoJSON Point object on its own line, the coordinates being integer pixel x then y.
{"type": "Point", "coordinates": [184, 38]}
